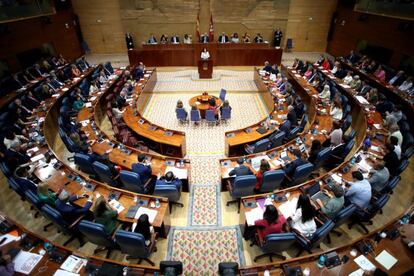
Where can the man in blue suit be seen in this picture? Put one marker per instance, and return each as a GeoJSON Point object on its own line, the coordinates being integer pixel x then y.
{"type": "Point", "coordinates": [170, 179]}
{"type": "Point", "coordinates": [142, 168]}
{"type": "Point", "coordinates": [291, 167]}
{"type": "Point", "coordinates": [64, 204]}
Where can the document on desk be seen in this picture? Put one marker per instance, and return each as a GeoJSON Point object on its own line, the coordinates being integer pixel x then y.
{"type": "Point", "coordinates": [178, 172]}
{"type": "Point", "coordinates": [386, 259]}
{"type": "Point", "coordinates": [256, 161]}
{"type": "Point", "coordinates": [151, 213]}
{"type": "Point", "coordinates": [289, 207]}
{"type": "Point", "coordinates": [358, 272]}
{"type": "Point", "coordinates": [364, 165]}
{"type": "Point", "coordinates": [253, 215]}
{"type": "Point", "coordinates": [8, 238]}
{"type": "Point", "coordinates": [73, 264]}
{"type": "Point", "coordinates": [364, 263]}
{"type": "Point", "coordinates": [37, 157]}
{"type": "Point", "coordinates": [61, 272]}
{"type": "Point", "coordinates": [116, 205]}
{"type": "Point", "coordinates": [25, 262]}
{"type": "Point", "coordinates": [88, 104]}
{"type": "Point", "coordinates": [337, 178]}
{"type": "Point", "coordinates": [361, 100]}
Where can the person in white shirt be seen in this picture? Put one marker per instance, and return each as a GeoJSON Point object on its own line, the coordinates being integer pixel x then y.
{"type": "Point", "coordinates": [336, 111]}
{"type": "Point", "coordinates": [394, 130]}
{"type": "Point", "coordinates": [326, 93]}
{"type": "Point", "coordinates": [406, 85]}
{"type": "Point", "coordinates": [397, 148]}
{"type": "Point", "coordinates": [187, 39]}
{"type": "Point", "coordinates": [303, 219]}
{"type": "Point", "coordinates": [205, 54]}
{"type": "Point", "coordinates": [336, 66]}
{"type": "Point", "coordinates": [102, 77]}
{"type": "Point", "coordinates": [11, 138]}
{"type": "Point", "coordinates": [118, 113]}
{"type": "Point", "coordinates": [93, 87]}
{"type": "Point", "coordinates": [235, 38]}
{"type": "Point", "coordinates": [348, 78]}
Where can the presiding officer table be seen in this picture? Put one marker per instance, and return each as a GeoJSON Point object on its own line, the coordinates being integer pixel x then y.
{"type": "Point", "coordinates": [226, 54]}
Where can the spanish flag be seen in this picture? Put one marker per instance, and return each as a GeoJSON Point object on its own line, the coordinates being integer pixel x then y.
{"type": "Point", "coordinates": [211, 30]}
{"type": "Point", "coordinates": [198, 26]}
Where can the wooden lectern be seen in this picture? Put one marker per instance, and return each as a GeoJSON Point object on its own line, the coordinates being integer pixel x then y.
{"type": "Point", "coordinates": [205, 68]}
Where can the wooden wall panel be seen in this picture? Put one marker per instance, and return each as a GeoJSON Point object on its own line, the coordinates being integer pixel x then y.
{"type": "Point", "coordinates": [377, 30]}
{"type": "Point", "coordinates": [33, 33]}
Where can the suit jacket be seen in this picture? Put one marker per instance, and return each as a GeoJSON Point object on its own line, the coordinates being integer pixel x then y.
{"type": "Point", "coordinates": [268, 68]}
{"type": "Point", "coordinates": [240, 170]}
{"type": "Point", "coordinates": [285, 126]}
{"type": "Point", "coordinates": [177, 39]}
{"type": "Point", "coordinates": [69, 211]}
{"type": "Point", "coordinates": [144, 171]}
{"type": "Point", "coordinates": [176, 182]}
{"type": "Point", "coordinates": [226, 39]}
{"type": "Point", "coordinates": [291, 167]}
{"type": "Point", "coordinates": [204, 39]}
{"type": "Point", "coordinates": [291, 116]}
{"type": "Point", "coordinates": [14, 158]}
{"type": "Point", "coordinates": [258, 39]}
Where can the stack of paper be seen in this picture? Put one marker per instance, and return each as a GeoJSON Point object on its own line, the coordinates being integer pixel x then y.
{"type": "Point", "coordinates": [337, 178]}
{"type": "Point", "coordinates": [116, 205]}
{"type": "Point", "coordinates": [364, 165]}
{"type": "Point", "coordinates": [364, 263]}
{"type": "Point", "coordinates": [289, 207]}
{"type": "Point", "coordinates": [362, 100]}
{"type": "Point", "coordinates": [151, 213]}
{"type": "Point", "coordinates": [386, 259]}
{"type": "Point", "coordinates": [253, 215]}
{"type": "Point", "coordinates": [25, 262]}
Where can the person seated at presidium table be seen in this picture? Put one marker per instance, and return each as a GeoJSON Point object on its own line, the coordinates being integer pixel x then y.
{"type": "Point", "coordinates": [175, 39]}
{"type": "Point", "coordinates": [259, 38]}
{"type": "Point", "coordinates": [223, 38]}
{"type": "Point", "coordinates": [235, 38]}
{"type": "Point", "coordinates": [205, 55]}
{"type": "Point", "coordinates": [204, 38]}
{"type": "Point", "coordinates": [163, 39]}
{"type": "Point", "coordinates": [152, 39]}
{"type": "Point", "coordinates": [246, 38]}
{"type": "Point", "coordinates": [187, 39]}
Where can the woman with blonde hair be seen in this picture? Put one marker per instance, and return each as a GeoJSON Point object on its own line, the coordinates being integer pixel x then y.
{"type": "Point", "coordinates": [105, 215]}
{"type": "Point", "coordinates": [45, 195]}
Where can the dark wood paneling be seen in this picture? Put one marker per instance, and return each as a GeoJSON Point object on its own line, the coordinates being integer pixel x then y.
{"type": "Point", "coordinates": [377, 30]}
{"type": "Point", "coordinates": [33, 33]}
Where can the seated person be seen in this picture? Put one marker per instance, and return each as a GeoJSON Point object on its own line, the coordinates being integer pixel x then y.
{"type": "Point", "coordinates": [397, 148]}
{"type": "Point", "coordinates": [78, 104]}
{"type": "Point", "coordinates": [163, 39]}
{"type": "Point", "coordinates": [241, 169]}
{"type": "Point", "coordinates": [398, 79]}
{"type": "Point", "coordinates": [6, 265]}
{"type": "Point", "coordinates": [258, 38]}
{"type": "Point", "coordinates": [334, 204]}
{"type": "Point", "coordinates": [205, 54]}
{"type": "Point", "coordinates": [406, 85]}
{"type": "Point", "coordinates": [272, 222]}
{"type": "Point", "coordinates": [335, 137]}
{"type": "Point", "coordinates": [212, 105]}
{"type": "Point", "coordinates": [326, 93]}
{"type": "Point", "coordinates": [291, 167]}
{"type": "Point", "coordinates": [144, 228]}
{"type": "Point", "coordinates": [303, 219]}
{"type": "Point", "coordinates": [69, 211]}
{"type": "Point", "coordinates": [394, 131]}
{"type": "Point", "coordinates": [336, 110]}
{"type": "Point", "coordinates": [390, 159]}
{"type": "Point", "coordinates": [246, 38]}
{"type": "Point", "coordinates": [105, 215]}
{"type": "Point", "coordinates": [11, 138]}
{"type": "Point", "coordinates": [45, 195]}
{"type": "Point", "coordinates": [16, 156]}
{"type": "Point", "coordinates": [140, 71]}
{"type": "Point", "coordinates": [117, 111]}
{"type": "Point", "coordinates": [267, 67]}
{"type": "Point", "coordinates": [204, 38]}
{"type": "Point", "coordinates": [380, 73]}
{"type": "Point", "coordinates": [152, 39]}
{"type": "Point", "coordinates": [75, 71]}
{"type": "Point", "coordinates": [194, 107]}
{"type": "Point", "coordinates": [223, 38]}
{"type": "Point", "coordinates": [170, 179]}
{"type": "Point", "coordinates": [187, 39]}
{"type": "Point", "coordinates": [235, 38]}
{"type": "Point", "coordinates": [347, 80]}
{"type": "Point", "coordinates": [358, 191]}
{"type": "Point", "coordinates": [82, 146]}
{"type": "Point", "coordinates": [102, 77]}
{"type": "Point", "coordinates": [264, 167]}
{"type": "Point", "coordinates": [225, 104]}
{"type": "Point", "coordinates": [314, 150]}
{"type": "Point", "coordinates": [355, 83]}
{"type": "Point", "coordinates": [142, 168]}
{"type": "Point", "coordinates": [291, 116]}
{"type": "Point", "coordinates": [181, 105]}
{"type": "Point", "coordinates": [175, 39]}
{"type": "Point", "coordinates": [379, 176]}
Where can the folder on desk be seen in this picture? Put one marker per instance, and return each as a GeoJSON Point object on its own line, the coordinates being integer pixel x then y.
{"type": "Point", "coordinates": [132, 211]}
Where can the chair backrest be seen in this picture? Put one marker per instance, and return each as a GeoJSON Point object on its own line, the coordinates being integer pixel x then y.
{"type": "Point", "coordinates": [313, 189]}
{"type": "Point", "coordinates": [5, 169]}
{"type": "Point", "coordinates": [289, 43]}
{"type": "Point", "coordinates": [408, 141]}
{"type": "Point", "coordinates": [352, 134]}
{"type": "Point", "coordinates": [392, 183]}
{"type": "Point", "coordinates": [277, 138]}
{"type": "Point", "coordinates": [243, 186]}
{"type": "Point", "coordinates": [347, 110]}
{"type": "Point", "coordinates": [322, 156]}
{"type": "Point", "coordinates": [285, 126]}
{"type": "Point", "coordinates": [225, 113]}
{"type": "Point", "coordinates": [103, 172]}
{"type": "Point", "coordinates": [95, 233]}
{"type": "Point", "coordinates": [84, 162]}
{"type": "Point", "coordinates": [223, 94]}
{"type": "Point", "coordinates": [181, 113]}
{"type": "Point", "coordinates": [109, 68]}
{"type": "Point", "coordinates": [272, 180]}
{"type": "Point", "coordinates": [342, 216]}
{"type": "Point", "coordinates": [321, 233]}
{"type": "Point", "coordinates": [131, 181]}
{"type": "Point", "coordinates": [403, 165]}
{"type": "Point", "coordinates": [278, 242]}
{"type": "Point", "coordinates": [54, 215]}
{"type": "Point", "coordinates": [404, 126]}
{"type": "Point", "coordinates": [168, 191]}
{"type": "Point", "coordinates": [303, 122]}
{"type": "Point", "coordinates": [302, 173]}
{"type": "Point", "coordinates": [132, 244]}
{"type": "Point", "coordinates": [348, 148]}
{"type": "Point", "coordinates": [347, 123]}
{"type": "Point", "coordinates": [210, 117]}
{"type": "Point", "coordinates": [292, 134]}
{"type": "Point", "coordinates": [375, 207]}
{"type": "Point", "coordinates": [15, 186]}
{"type": "Point", "coordinates": [195, 115]}
{"type": "Point", "coordinates": [261, 145]}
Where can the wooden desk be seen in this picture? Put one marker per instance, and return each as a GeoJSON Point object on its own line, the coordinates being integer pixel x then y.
{"type": "Point", "coordinates": [229, 54]}
{"type": "Point", "coordinates": [203, 105]}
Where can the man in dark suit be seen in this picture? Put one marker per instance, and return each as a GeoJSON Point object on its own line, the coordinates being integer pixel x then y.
{"type": "Point", "coordinates": [278, 37]}
{"type": "Point", "coordinates": [170, 179]}
{"type": "Point", "coordinates": [267, 67]}
{"type": "Point", "coordinates": [129, 41]}
{"type": "Point", "coordinates": [352, 57]}
{"type": "Point", "coordinates": [241, 169]}
{"type": "Point", "coordinates": [223, 38]}
{"type": "Point", "coordinates": [285, 126]}
{"type": "Point", "coordinates": [258, 38]}
{"type": "Point", "coordinates": [204, 38]}
{"type": "Point", "coordinates": [291, 116]}
{"type": "Point", "coordinates": [70, 212]}
{"type": "Point", "coordinates": [291, 167]}
{"type": "Point", "coordinates": [15, 156]}
{"type": "Point", "coordinates": [175, 39]}
{"type": "Point", "coordinates": [142, 168]}
{"type": "Point", "coordinates": [398, 79]}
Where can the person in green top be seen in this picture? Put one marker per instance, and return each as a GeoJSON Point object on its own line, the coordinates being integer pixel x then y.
{"type": "Point", "coordinates": [334, 204]}
{"type": "Point", "coordinates": [105, 215]}
{"type": "Point", "coordinates": [45, 195]}
{"type": "Point", "coordinates": [78, 104]}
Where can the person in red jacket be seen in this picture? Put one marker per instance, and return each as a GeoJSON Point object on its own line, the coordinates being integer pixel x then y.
{"type": "Point", "coordinates": [272, 222]}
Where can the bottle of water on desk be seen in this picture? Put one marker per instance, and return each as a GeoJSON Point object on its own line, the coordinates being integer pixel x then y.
{"type": "Point", "coordinates": [157, 203]}
{"type": "Point", "coordinates": [321, 261]}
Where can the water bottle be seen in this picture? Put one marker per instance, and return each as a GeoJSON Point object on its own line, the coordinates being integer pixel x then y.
{"type": "Point", "coordinates": [181, 163]}
{"type": "Point", "coordinates": [321, 261]}
{"type": "Point", "coordinates": [157, 203]}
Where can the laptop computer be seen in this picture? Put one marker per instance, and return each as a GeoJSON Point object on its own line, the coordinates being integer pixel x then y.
{"type": "Point", "coordinates": [315, 193]}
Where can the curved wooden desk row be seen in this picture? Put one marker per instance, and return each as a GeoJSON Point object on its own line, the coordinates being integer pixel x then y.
{"type": "Point", "coordinates": [395, 247]}
{"type": "Point", "coordinates": [63, 176]}
{"type": "Point", "coordinates": [390, 91]}
{"type": "Point", "coordinates": [48, 267]}
{"type": "Point", "coordinates": [229, 54]}
{"type": "Point", "coordinates": [159, 164]}
{"type": "Point", "coordinates": [236, 140]}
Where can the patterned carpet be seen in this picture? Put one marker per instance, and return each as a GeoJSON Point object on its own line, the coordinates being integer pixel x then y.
{"type": "Point", "coordinates": [205, 205]}
{"type": "Point", "coordinates": [201, 250]}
